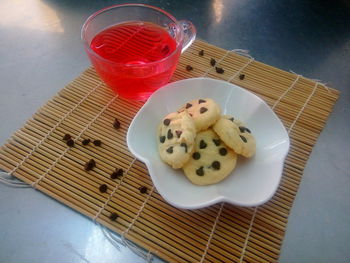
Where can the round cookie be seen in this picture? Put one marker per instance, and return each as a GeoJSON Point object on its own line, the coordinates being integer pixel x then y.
{"type": "Point", "coordinates": [204, 112]}
{"type": "Point", "coordinates": [176, 134]}
{"type": "Point", "coordinates": [211, 161]}
{"type": "Point", "coordinates": [235, 135]}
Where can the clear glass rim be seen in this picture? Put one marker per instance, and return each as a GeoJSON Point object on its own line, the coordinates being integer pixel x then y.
{"type": "Point", "coordinates": [91, 17]}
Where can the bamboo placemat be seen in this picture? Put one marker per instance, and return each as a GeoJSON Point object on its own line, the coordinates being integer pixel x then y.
{"type": "Point", "coordinates": [86, 108]}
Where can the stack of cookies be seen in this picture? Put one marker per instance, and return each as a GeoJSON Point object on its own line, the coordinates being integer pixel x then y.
{"type": "Point", "coordinates": [204, 143]}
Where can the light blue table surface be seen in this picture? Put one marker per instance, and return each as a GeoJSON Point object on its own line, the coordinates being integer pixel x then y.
{"type": "Point", "coordinates": [41, 51]}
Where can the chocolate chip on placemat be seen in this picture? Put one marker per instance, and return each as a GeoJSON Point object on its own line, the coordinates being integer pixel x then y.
{"type": "Point", "coordinates": [103, 188]}
{"type": "Point", "coordinates": [85, 142]}
{"type": "Point", "coordinates": [201, 53]}
{"type": "Point", "coordinates": [116, 123]}
{"type": "Point", "coordinates": [97, 142]}
{"type": "Point", "coordinates": [117, 173]}
{"type": "Point", "coordinates": [189, 68]}
{"type": "Point", "coordinates": [219, 70]}
{"type": "Point", "coordinates": [89, 165]}
{"type": "Point", "coordinates": [66, 137]}
{"type": "Point", "coordinates": [70, 143]}
{"type": "Point", "coordinates": [212, 62]}
{"type": "Point", "coordinates": [143, 189]}
{"type": "Point", "coordinates": [241, 76]}
{"type": "Point", "coordinates": [113, 216]}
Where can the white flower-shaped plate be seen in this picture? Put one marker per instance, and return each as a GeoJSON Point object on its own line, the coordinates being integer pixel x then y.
{"type": "Point", "coordinates": [253, 181]}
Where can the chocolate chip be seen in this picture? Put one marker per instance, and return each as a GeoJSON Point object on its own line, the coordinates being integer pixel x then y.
{"type": "Point", "coordinates": [202, 144]}
{"type": "Point", "coordinates": [247, 130]}
{"type": "Point", "coordinates": [162, 139]}
{"type": "Point", "coordinates": [70, 143]}
{"type": "Point", "coordinates": [223, 151]}
{"type": "Point", "coordinates": [212, 62]}
{"type": "Point", "coordinates": [189, 68]}
{"type": "Point", "coordinates": [201, 101]}
{"type": "Point", "coordinates": [203, 109]}
{"type": "Point", "coordinates": [216, 165]}
{"type": "Point", "coordinates": [85, 142]}
{"type": "Point", "coordinates": [103, 188]}
{"type": "Point", "coordinates": [196, 155]}
{"type": "Point", "coordinates": [200, 171]}
{"type": "Point", "coordinates": [117, 173]}
{"type": "Point", "coordinates": [244, 129]}
{"type": "Point", "coordinates": [89, 165]}
{"type": "Point", "coordinates": [113, 216]}
{"type": "Point", "coordinates": [66, 137]}
{"type": "Point", "coordinates": [170, 149]}
{"type": "Point", "coordinates": [97, 142]}
{"type": "Point", "coordinates": [191, 114]}
{"type": "Point", "coordinates": [116, 123]}
{"type": "Point", "coordinates": [178, 133]}
{"type": "Point", "coordinates": [241, 76]}
{"type": "Point", "coordinates": [201, 53]}
{"type": "Point", "coordinates": [217, 142]}
{"type": "Point", "coordinates": [232, 119]}
{"type": "Point", "coordinates": [166, 122]}
{"type": "Point", "coordinates": [243, 138]}
{"type": "Point", "coordinates": [219, 70]}
{"type": "Point", "coordinates": [143, 189]}
{"type": "Point", "coordinates": [184, 145]}
{"type": "Point", "coordinates": [170, 134]}
{"type": "Point", "coordinates": [188, 105]}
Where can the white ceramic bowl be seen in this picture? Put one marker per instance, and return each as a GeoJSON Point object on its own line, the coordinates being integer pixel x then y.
{"type": "Point", "coordinates": [253, 181]}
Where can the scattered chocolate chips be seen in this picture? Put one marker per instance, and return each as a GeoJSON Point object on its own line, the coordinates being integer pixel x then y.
{"type": "Point", "coordinates": [200, 171]}
{"type": "Point", "coordinates": [170, 149]}
{"type": "Point", "coordinates": [202, 144]}
{"type": "Point", "coordinates": [244, 139]}
{"type": "Point", "coordinates": [116, 123]}
{"type": "Point", "coordinates": [117, 173]}
{"type": "Point", "coordinates": [188, 105]}
{"type": "Point", "coordinates": [103, 188]}
{"type": "Point", "coordinates": [170, 135]}
{"type": "Point", "coordinates": [201, 101]}
{"type": "Point", "coordinates": [201, 53]}
{"type": "Point", "coordinates": [166, 122]}
{"type": "Point", "coordinates": [219, 70]}
{"type": "Point", "coordinates": [97, 142]}
{"type": "Point", "coordinates": [162, 139]}
{"type": "Point", "coordinates": [202, 110]}
{"type": "Point", "coordinates": [89, 165]}
{"type": "Point", "coordinates": [70, 143]}
{"type": "Point", "coordinates": [113, 216]}
{"type": "Point", "coordinates": [196, 155]}
{"type": "Point", "coordinates": [143, 189]}
{"type": "Point", "coordinates": [85, 142]}
{"type": "Point", "coordinates": [66, 137]}
{"type": "Point", "coordinates": [241, 76]}
{"type": "Point", "coordinates": [216, 165]}
{"type": "Point", "coordinates": [184, 145]}
{"type": "Point", "coordinates": [223, 151]}
{"type": "Point", "coordinates": [189, 68]}
{"type": "Point", "coordinates": [217, 142]}
{"type": "Point", "coordinates": [212, 62]}
{"type": "Point", "coordinates": [178, 133]}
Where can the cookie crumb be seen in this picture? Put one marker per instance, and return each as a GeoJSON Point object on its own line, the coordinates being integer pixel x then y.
{"type": "Point", "coordinates": [70, 143]}
{"type": "Point", "coordinates": [201, 53]}
{"type": "Point", "coordinates": [219, 70]}
{"type": "Point", "coordinates": [241, 76]}
{"type": "Point", "coordinates": [116, 123]}
{"type": "Point", "coordinates": [85, 142]}
{"type": "Point", "coordinates": [66, 137]}
{"type": "Point", "coordinates": [97, 142]}
{"type": "Point", "coordinates": [143, 189]}
{"type": "Point", "coordinates": [212, 62]}
{"type": "Point", "coordinates": [103, 188]}
{"type": "Point", "coordinates": [89, 165]}
{"type": "Point", "coordinates": [189, 68]}
{"type": "Point", "coordinates": [113, 216]}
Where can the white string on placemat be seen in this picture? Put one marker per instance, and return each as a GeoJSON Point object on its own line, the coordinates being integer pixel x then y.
{"type": "Point", "coordinates": [35, 183]}
{"type": "Point", "coordinates": [218, 62]}
{"type": "Point", "coordinates": [240, 70]}
{"type": "Point", "coordinates": [286, 91]}
{"type": "Point", "coordinates": [23, 184]}
{"type": "Point", "coordinates": [212, 232]}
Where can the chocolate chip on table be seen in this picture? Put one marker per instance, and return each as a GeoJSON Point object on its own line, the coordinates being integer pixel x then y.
{"type": "Point", "coordinates": [66, 137]}
{"type": "Point", "coordinates": [217, 142]}
{"type": "Point", "coordinates": [223, 151]}
{"type": "Point", "coordinates": [170, 149]}
{"type": "Point", "coordinates": [143, 189]}
{"type": "Point", "coordinates": [212, 62]}
{"type": "Point", "coordinates": [196, 155]}
{"type": "Point", "coordinates": [170, 135]}
{"type": "Point", "coordinates": [97, 142]}
{"type": "Point", "coordinates": [166, 122]}
{"type": "Point", "coordinates": [188, 105]}
{"type": "Point", "coordinates": [113, 216]}
{"type": "Point", "coordinates": [117, 173]}
{"type": "Point", "coordinates": [103, 188]}
{"type": "Point", "coordinates": [201, 101]}
{"type": "Point", "coordinates": [89, 165]}
{"type": "Point", "coordinates": [85, 142]}
{"type": "Point", "coordinates": [200, 171]}
{"type": "Point", "coordinates": [189, 68]}
{"type": "Point", "coordinates": [184, 145]}
{"type": "Point", "coordinates": [216, 165]}
{"type": "Point", "coordinates": [202, 144]}
{"type": "Point", "coordinates": [178, 133]}
{"type": "Point", "coordinates": [219, 70]}
{"type": "Point", "coordinates": [241, 76]}
{"type": "Point", "coordinates": [201, 53]}
{"type": "Point", "coordinates": [162, 139]}
{"type": "Point", "coordinates": [244, 139]}
{"type": "Point", "coordinates": [116, 123]}
{"type": "Point", "coordinates": [70, 143]}
{"type": "Point", "coordinates": [203, 109]}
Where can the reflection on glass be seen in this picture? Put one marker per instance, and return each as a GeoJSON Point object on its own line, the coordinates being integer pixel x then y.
{"type": "Point", "coordinates": [218, 7]}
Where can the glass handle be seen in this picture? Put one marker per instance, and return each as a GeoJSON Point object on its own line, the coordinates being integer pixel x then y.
{"type": "Point", "coordinates": [189, 31]}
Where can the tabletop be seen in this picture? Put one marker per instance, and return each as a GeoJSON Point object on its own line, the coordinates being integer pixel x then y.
{"type": "Point", "coordinates": [41, 52]}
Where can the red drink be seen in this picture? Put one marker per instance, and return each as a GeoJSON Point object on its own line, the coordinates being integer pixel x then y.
{"type": "Point", "coordinates": [138, 58]}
